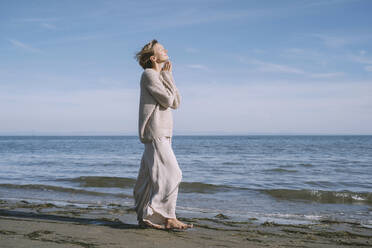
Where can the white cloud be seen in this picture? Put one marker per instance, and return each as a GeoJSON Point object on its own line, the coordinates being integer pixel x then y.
{"type": "Point", "coordinates": [340, 40]}
{"type": "Point", "coordinates": [307, 55]}
{"type": "Point", "coordinates": [326, 2]}
{"type": "Point", "coordinates": [24, 46]}
{"type": "Point", "coordinates": [43, 22]}
{"type": "Point", "coordinates": [197, 66]}
{"type": "Point", "coordinates": [35, 19]}
{"type": "Point", "coordinates": [333, 41]}
{"type": "Point", "coordinates": [296, 51]}
{"type": "Point", "coordinates": [281, 68]}
{"type": "Point", "coordinates": [270, 67]}
{"type": "Point", "coordinates": [72, 39]}
{"type": "Point", "coordinates": [362, 52]}
{"type": "Point", "coordinates": [190, 15]}
{"type": "Point", "coordinates": [187, 14]}
{"type": "Point", "coordinates": [48, 26]}
{"type": "Point", "coordinates": [361, 59]}
{"type": "Point", "coordinates": [327, 75]}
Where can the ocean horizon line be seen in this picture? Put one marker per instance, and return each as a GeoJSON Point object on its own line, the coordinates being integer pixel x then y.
{"type": "Point", "coordinates": [179, 134]}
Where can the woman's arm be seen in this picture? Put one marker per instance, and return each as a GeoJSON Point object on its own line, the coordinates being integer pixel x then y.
{"type": "Point", "coordinates": [165, 96]}
{"type": "Point", "coordinates": [169, 81]}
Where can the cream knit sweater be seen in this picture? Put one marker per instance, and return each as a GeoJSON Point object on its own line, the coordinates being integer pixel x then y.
{"type": "Point", "coordinates": [158, 95]}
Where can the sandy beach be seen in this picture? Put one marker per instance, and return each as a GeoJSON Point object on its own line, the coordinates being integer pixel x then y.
{"type": "Point", "coordinates": [25, 224]}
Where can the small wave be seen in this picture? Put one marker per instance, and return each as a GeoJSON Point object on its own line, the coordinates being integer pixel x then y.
{"type": "Point", "coordinates": [281, 170]}
{"type": "Point", "coordinates": [104, 182]}
{"type": "Point", "coordinates": [287, 166]}
{"type": "Point", "coordinates": [197, 187]}
{"type": "Point", "coordinates": [320, 183]}
{"type": "Point", "coordinates": [231, 163]}
{"type": "Point", "coordinates": [307, 165]}
{"type": "Point", "coordinates": [59, 189]}
{"type": "Point", "coordinates": [341, 197]}
{"type": "Point", "coordinates": [295, 216]}
{"type": "Point", "coordinates": [123, 182]}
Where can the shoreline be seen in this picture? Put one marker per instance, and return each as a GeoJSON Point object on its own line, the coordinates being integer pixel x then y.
{"type": "Point", "coordinates": [25, 224]}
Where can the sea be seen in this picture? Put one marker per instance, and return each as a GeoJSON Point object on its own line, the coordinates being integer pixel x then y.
{"type": "Point", "coordinates": [295, 179]}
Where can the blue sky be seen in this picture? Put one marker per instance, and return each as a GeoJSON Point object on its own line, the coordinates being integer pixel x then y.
{"type": "Point", "coordinates": [242, 67]}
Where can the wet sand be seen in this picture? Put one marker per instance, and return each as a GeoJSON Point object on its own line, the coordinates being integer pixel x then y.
{"type": "Point", "coordinates": [25, 224]}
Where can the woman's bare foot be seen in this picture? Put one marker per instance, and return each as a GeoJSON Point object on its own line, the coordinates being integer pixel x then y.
{"type": "Point", "coordinates": [174, 223]}
{"type": "Point", "coordinates": [146, 223]}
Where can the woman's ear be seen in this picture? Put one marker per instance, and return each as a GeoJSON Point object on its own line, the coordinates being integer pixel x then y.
{"type": "Point", "coordinates": [152, 58]}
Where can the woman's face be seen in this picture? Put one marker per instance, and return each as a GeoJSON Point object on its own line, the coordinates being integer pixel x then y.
{"type": "Point", "coordinates": [160, 53]}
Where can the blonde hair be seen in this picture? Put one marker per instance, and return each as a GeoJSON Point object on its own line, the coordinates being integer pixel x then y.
{"type": "Point", "coordinates": [143, 56]}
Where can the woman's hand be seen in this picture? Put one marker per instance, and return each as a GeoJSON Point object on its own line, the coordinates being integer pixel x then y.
{"type": "Point", "coordinates": [167, 66]}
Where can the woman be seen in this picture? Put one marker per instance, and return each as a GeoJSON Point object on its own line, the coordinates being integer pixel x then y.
{"type": "Point", "coordinates": [159, 176]}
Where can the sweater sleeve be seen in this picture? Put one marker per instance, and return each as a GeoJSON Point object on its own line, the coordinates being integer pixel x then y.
{"type": "Point", "coordinates": [167, 75]}
{"type": "Point", "coordinates": [176, 101]}
{"type": "Point", "coordinates": [163, 95]}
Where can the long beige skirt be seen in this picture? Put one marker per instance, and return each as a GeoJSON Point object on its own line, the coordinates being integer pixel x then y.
{"type": "Point", "coordinates": [156, 189]}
